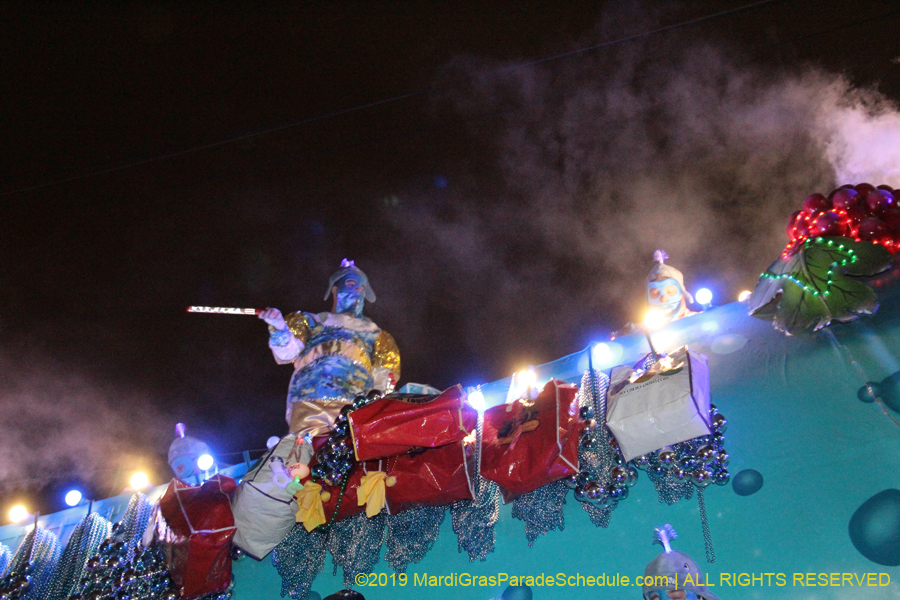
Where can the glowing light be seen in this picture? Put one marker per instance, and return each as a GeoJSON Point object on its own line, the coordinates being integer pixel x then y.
{"type": "Point", "coordinates": [527, 377]}
{"type": "Point", "coordinates": [18, 513]}
{"type": "Point", "coordinates": [73, 497]}
{"type": "Point", "coordinates": [745, 295]}
{"type": "Point", "coordinates": [476, 400]}
{"type": "Point", "coordinates": [205, 462]}
{"type": "Point", "coordinates": [272, 442]}
{"type": "Point", "coordinates": [602, 354]}
{"type": "Point", "coordinates": [703, 296]}
{"type": "Point", "coordinates": [139, 480]}
{"type": "Point", "coordinates": [180, 428]}
{"type": "Point", "coordinates": [654, 319]}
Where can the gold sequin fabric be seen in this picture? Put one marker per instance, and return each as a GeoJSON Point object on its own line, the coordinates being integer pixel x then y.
{"type": "Point", "coordinates": [298, 325]}
{"type": "Point", "coordinates": [386, 354]}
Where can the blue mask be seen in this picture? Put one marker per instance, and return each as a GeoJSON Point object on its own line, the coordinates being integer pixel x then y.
{"type": "Point", "coordinates": [666, 294]}
{"type": "Point", "coordinates": [350, 297]}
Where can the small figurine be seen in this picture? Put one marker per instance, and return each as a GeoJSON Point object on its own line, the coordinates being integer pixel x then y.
{"type": "Point", "coordinates": [184, 452]}
{"type": "Point", "coordinates": [667, 297]}
{"type": "Point", "coordinates": [665, 289]}
{"type": "Point", "coordinates": [673, 575]}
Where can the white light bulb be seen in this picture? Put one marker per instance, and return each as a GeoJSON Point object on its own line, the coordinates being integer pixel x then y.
{"type": "Point", "coordinates": [476, 400]}
{"type": "Point", "coordinates": [205, 462]}
{"type": "Point", "coordinates": [73, 497]}
{"type": "Point", "coordinates": [703, 296]}
{"type": "Point", "coordinates": [139, 480]}
{"type": "Point", "coordinates": [18, 513]}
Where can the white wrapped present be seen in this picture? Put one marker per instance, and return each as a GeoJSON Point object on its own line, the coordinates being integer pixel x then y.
{"type": "Point", "coordinates": [667, 404]}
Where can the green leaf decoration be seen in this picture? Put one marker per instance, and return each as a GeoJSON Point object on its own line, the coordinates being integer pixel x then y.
{"type": "Point", "coordinates": [811, 288]}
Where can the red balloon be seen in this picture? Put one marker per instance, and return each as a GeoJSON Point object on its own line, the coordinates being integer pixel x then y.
{"type": "Point", "coordinates": [825, 224]}
{"type": "Point", "coordinates": [886, 188]}
{"type": "Point", "coordinates": [878, 201]}
{"type": "Point", "coordinates": [845, 199]}
{"type": "Point", "coordinates": [815, 203]}
{"type": "Point", "coordinates": [872, 229]}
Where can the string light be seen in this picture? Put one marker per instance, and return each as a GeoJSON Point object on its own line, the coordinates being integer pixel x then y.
{"type": "Point", "coordinates": [812, 290]}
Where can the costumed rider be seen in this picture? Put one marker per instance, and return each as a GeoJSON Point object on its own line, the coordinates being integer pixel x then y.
{"type": "Point", "coordinates": [336, 355]}
{"type": "Point", "coordinates": [665, 290]}
{"type": "Point", "coordinates": [673, 575]}
{"type": "Point", "coordinates": [666, 294]}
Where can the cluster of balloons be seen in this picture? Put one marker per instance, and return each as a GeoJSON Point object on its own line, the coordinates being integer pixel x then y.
{"type": "Point", "coordinates": [861, 212]}
{"type": "Point", "coordinates": [602, 489]}
{"type": "Point", "coordinates": [334, 459]}
{"type": "Point", "coordinates": [701, 461]}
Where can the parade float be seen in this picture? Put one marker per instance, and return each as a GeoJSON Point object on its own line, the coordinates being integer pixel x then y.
{"type": "Point", "coordinates": [765, 431]}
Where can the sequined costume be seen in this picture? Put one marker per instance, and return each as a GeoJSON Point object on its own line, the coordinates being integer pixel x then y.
{"type": "Point", "coordinates": [336, 355]}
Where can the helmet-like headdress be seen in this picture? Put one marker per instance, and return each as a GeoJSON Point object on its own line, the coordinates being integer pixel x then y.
{"type": "Point", "coordinates": [662, 270]}
{"type": "Point", "coordinates": [348, 267]}
{"type": "Point", "coordinates": [676, 567]}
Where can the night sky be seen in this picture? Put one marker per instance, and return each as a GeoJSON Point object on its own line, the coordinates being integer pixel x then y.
{"type": "Point", "coordinates": [502, 171]}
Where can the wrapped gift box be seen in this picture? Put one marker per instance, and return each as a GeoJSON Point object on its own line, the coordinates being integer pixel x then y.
{"type": "Point", "coordinates": [198, 533]}
{"type": "Point", "coordinates": [399, 423]}
{"type": "Point", "coordinates": [529, 443]}
{"type": "Point", "coordinates": [263, 509]}
{"type": "Point", "coordinates": [432, 477]}
{"type": "Point", "coordinates": [667, 404]}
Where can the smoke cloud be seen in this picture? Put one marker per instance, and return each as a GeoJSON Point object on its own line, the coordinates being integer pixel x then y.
{"type": "Point", "coordinates": [598, 160]}
{"type": "Point", "coordinates": [61, 428]}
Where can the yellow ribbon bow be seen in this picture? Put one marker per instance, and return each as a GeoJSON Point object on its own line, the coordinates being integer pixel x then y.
{"type": "Point", "coordinates": [371, 491]}
{"type": "Point", "coordinates": [310, 511]}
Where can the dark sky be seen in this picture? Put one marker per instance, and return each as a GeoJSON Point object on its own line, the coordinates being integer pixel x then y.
{"type": "Point", "coordinates": [505, 207]}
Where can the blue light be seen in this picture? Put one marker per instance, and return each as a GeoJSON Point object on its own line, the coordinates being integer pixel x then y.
{"type": "Point", "coordinates": [205, 462]}
{"type": "Point", "coordinates": [703, 296]}
{"type": "Point", "coordinates": [476, 400]}
{"type": "Point", "coordinates": [73, 497]}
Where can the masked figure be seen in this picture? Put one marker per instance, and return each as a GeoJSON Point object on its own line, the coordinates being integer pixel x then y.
{"type": "Point", "coordinates": [673, 575]}
{"type": "Point", "coordinates": [665, 290]}
{"type": "Point", "coordinates": [336, 355]}
{"type": "Point", "coordinates": [665, 293]}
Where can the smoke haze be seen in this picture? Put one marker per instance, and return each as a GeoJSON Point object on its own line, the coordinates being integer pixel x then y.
{"type": "Point", "coordinates": [601, 159]}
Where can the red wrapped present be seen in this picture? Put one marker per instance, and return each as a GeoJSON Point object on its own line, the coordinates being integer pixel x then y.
{"type": "Point", "coordinates": [529, 443]}
{"type": "Point", "coordinates": [431, 477]}
{"type": "Point", "coordinates": [399, 423]}
{"type": "Point", "coordinates": [198, 533]}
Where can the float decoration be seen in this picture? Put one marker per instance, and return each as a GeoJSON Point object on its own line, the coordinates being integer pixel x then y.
{"type": "Point", "coordinates": [411, 535]}
{"type": "Point", "coordinates": [474, 520]}
{"type": "Point", "coordinates": [299, 559]}
{"type": "Point", "coordinates": [5, 558]}
{"type": "Point", "coordinates": [30, 571]}
{"type": "Point", "coordinates": [263, 504]}
{"type": "Point", "coordinates": [84, 543]}
{"type": "Point", "coordinates": [542, 510]}
{"type": "Point", "coordinates": [529, 443]}
{"type": "Point", "coordinates": [810, 288]}
{"type": "Point", "coordinates": [603, 480]}
{"type": "Point", "coordinates": [355, 544]}
{"type": "Point", "coordinates": [197, 534]}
